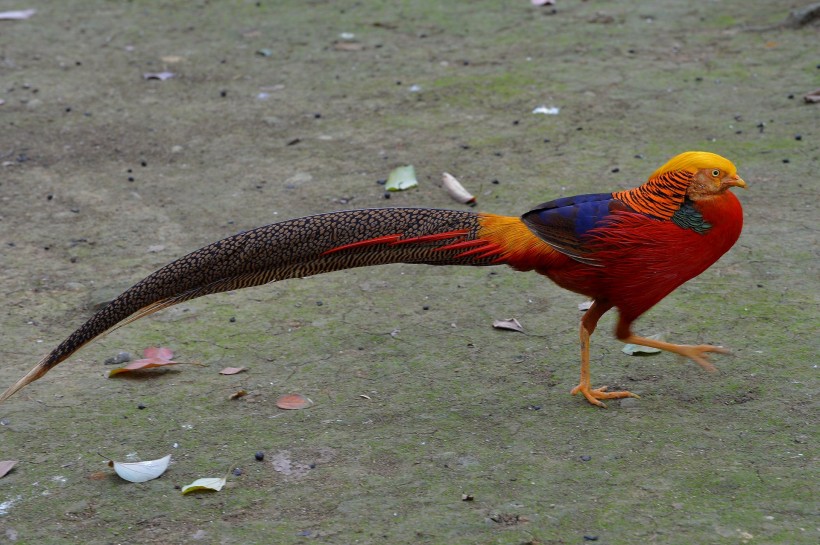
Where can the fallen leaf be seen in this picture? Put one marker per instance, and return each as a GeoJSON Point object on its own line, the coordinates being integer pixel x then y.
{"type": "Point", "coordinates": [162, 76]}
{"type": "Point", "coordinates": [293, 402]}
{"type": "Point", "coordinates": [456, 190]}
{"type": "Point", "coordinates": [238, 394]}
{"type": "Point", "coordinates": [214, 484]}
{"type": "Point", "coordinates": [139, 472]}
{"type": "Point", "coordinates": [401, 178]}
{"type": "Point", "coordinates": [5, 467]}
{"type": "Point", "coordinates": [171, 59]}
{"type": "Point", "coordinates": [17, 15]}
{"type": "Point", "coordinates": [153, 357]}
{"type": "Point", "coordinates": [812, 97]}
{"type": "Point", "coordinates": [232, 370]}
{"type": "Point", "coordinates": [638, 349]}
{"type": "Point", "coordinates": [510, 324]}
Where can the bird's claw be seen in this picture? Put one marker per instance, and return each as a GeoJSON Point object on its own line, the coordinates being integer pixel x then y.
{"type": "Point", "coordinates": [697, 353]}
{"type": "Point", "coordinates": [594, 395]}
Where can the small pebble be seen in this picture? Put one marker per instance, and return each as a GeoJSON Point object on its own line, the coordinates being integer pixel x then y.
{"type": "Point", "coordinates": [786, 161]}
{"type": "Point", "coordinates": [237, 472]}
{"type": "Point", "coordinates": [616, 169]}
{"type": "Point", "coordinates": [798, 137]}
{"type": "Point", "coordinates": [140, 406]}
{"type": "Point", "coordinates": [121, 357]}
{"type": "Point", "coordinates": [232, 319]}
{"type": "Point", "coordinates": [259, 456]}
{"type": "Point", "coordinates": [586, 458]}
{"type": "Point", "coordinates": [386, 194]}
{"type": "Point", "coordinates": [590, 538]}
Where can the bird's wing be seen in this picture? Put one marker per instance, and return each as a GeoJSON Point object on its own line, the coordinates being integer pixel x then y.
{"type": "Point", "coordinates": [562, 223]}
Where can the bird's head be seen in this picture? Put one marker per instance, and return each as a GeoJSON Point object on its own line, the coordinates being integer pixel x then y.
{"type": "Point", "coordinates": [710, 173]}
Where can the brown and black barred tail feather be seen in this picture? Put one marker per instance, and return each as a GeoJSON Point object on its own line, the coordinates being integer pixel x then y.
{"type": "Point", "coordinates": [289, 249]}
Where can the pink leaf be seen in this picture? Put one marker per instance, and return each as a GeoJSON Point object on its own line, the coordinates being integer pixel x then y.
{"type": "Point", "coordinates": [5, 467]}
{"type": "Point", "coordinates": [158, 352]}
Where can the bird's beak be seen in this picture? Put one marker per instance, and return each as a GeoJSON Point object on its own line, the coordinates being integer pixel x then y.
{"type": "Point", "coordinates": [736, 181]}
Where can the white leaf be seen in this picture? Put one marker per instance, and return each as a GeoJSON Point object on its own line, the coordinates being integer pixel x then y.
{"type": "Point", "coordinates": [401, 178]}
{"type": "Point", "coordinates": [139, 472]}
{"type": "Point", "coordinates": [206, 483]}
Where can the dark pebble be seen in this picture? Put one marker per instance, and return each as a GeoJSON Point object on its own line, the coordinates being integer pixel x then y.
{"type": "Point", "coordinates": [312, 466]}
{"type": "Point", "coordinates": [130, 178]}
{"type": "Point", "coordinates": [294, 141]}
{"type": "Point", "coordinates": [386, 194]}
{"type": "Point", "coordinates": [317, 115]}
{"type": "Point", "coordinates": [586, 458]}
{"type": "Point", "coordinates": [516, 122]}
{"type": "Point", "coordinates": [786, 161]}
{"type": "Point", "coordinates": [143, 164]}
{"type": "Point", "coordinates": [425, 307]}
{"type": "Point", "coordinates": [590, 538]}
{"type": "Point", "coordinates": [791, 96]}
{"type": "Point", "coordinates": [121, 357]}
{"type": "Point", "coordinates": [237, 472]}
{"type": "Point", "coordinates": [259, 456]}
{"type": "Point", "coordinates": [232, 319]}
{"type": "Point", "coordinates": [140, 406]}
{"type": "Point", "coordinates": [319, 303]}
{"type": "Point", "coordinates": [495, 182]}
{"type": "Point", "coordinates": [381, 182]}
{"type": "Point", "coordinates": [798, 137]}
{"type": "Point", "coordinates": [223, 94]}
{"type": "Point", "coordinates": [616, 169]}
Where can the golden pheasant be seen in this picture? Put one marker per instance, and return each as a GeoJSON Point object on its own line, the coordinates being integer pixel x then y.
{"type": "Point", "coordinates": [626, 249]}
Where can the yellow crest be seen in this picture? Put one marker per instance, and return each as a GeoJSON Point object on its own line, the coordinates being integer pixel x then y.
{"type": "Point", "coordinates": [692, 161]}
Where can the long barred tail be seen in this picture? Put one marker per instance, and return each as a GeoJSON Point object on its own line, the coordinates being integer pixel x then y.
{"type": "Point", "coordinates": [297, 248]}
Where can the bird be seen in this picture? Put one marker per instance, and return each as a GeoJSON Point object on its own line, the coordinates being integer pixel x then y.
{"type": "Point", "coordinates": [625, 249]}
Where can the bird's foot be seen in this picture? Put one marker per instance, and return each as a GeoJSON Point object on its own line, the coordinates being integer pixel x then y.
{"type": "Point", "coordinates": [594, 395]}
{"type": "Point", "coordinates": [697, 353]}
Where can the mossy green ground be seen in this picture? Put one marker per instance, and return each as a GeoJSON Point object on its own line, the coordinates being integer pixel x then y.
{"type": "Point", "coordinates": [107, 176]}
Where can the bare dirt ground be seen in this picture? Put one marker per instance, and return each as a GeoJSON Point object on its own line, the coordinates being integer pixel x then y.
{"type": "Point", "coordinates": [275, 112]}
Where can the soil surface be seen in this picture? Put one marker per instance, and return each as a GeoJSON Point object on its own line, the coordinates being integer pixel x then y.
{"type": "Point", "coordinates": [428, 425]}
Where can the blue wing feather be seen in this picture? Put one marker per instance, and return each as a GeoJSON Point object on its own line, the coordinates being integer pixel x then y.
{"type": "Point", "coordinates": [563, 222]}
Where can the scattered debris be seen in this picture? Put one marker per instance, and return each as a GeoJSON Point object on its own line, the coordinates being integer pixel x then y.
{"type": "Point", "coordinates": [139, 472]}
{"type": "Point", "coordinates": [293, 401]}
{"type": "Point", "coordinates": [510, 324]}
{"type": "Point", "coordinates": [637, 349]}
{"type": "Point", "coordinates": [232, 370]}
{"type": "Point", "coordinates": [5, 467]}
{"type": "Point", "coordinates": [546, 110]}
{"type": "Point", "coordinates": [467, 497]}
{"type": "Point", "coordinates": [456, 190]}
{"type": "Point", "coordinates": [401, 178]}
{"type": "Point", "coordinates": [17, 15]}
{"type": "Point", "coordinates": [214, 484]}
{"type": "Point", "coordinates": [162, 76]}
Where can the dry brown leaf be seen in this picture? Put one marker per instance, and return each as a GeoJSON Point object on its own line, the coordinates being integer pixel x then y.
{"type": "Point", "coordinates": [293, 402]}
{"type": "Point", "coordinates": [5, 467]}
{"type": "Point", "coordinates": [232, 370]}
{"type": "Point", "coordinates": [812, 97]}
{"type": "Point", "coordinates": [348, 46]}
{"type": "Point", "coordinates": [510, 324]}
{"type": "Point", "coordinates": [238, 394]}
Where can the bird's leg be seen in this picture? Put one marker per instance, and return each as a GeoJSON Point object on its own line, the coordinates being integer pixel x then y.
{"type": "Point", "coordinates": [588, 323]}
{"type": "Point", "coordinates": [696, 353]}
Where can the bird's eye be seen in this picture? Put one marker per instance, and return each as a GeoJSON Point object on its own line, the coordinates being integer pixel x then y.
{"type": "Point", "coordinates": [716, 173]}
